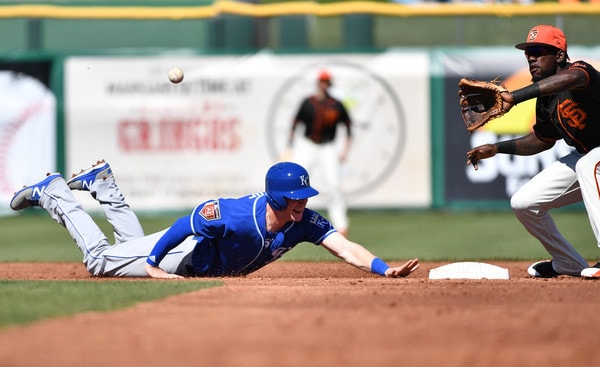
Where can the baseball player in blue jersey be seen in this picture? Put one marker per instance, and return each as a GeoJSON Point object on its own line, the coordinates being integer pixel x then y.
{"type": "Point", "coordinates": [221, 237]}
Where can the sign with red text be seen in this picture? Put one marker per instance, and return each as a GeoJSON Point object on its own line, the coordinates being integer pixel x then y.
{"type": "Point", "coordinates": [217, 132]}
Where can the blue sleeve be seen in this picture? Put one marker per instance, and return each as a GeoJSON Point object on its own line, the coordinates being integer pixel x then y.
{"type": "Point", "coordinates": [179, 231]}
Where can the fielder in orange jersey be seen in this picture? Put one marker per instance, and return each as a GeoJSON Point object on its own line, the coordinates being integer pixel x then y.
{"type": "Point", "coordinates": [568, 108]}
{"type": "Point", "coordinates": [321, 113]}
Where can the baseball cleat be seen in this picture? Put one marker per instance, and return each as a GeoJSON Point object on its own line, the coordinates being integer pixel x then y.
{"type": "Point", "coordinates": [30, 195]}
{"type": "Point", "coordinates": [593, 272]}
{"type": "Point", "coordinates": [590, 273]}
{"type": "Point", "coordinates": [84, 179]}
{"type": "Point", "coordinates": [542, 269]}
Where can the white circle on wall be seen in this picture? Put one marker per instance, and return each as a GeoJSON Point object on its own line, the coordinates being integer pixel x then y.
{"type": "Point", "coordinates": [27, 131]}
{"type": "Point", "coordinates": [378, 122]}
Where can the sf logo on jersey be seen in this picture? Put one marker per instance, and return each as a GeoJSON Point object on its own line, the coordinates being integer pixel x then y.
{"type": "Point", "coordinates": [574, 114]}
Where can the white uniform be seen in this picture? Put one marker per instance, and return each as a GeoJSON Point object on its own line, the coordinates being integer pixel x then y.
{"type": "Point", "coordinates": [571, 115]}
{"type": "Point", "coordinates": [316, 149]}
{"type": "Point", "coordinates": [322, 160]}
{"type": "Point", "coordinates": [569, 180]}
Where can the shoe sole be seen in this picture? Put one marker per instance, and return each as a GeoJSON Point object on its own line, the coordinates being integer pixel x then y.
{"type": "Point", "coordinates": [590, 273]}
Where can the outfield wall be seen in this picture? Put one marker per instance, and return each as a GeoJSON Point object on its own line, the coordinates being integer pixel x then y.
{"type": "Point", "coordinates": [77, 92]}
{"type": "Point", "coordinates": [216, 133]}
{"type": "Point", "coordinates": [233, 26]}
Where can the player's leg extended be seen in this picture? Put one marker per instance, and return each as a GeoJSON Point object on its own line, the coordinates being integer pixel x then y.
{"type": "Point", "coordinates": [554, 187]}
{"type": "Point", "coordinates": [588, 174]}
{"type": "Point", "coordinates": [56, 198]}
{"type": "Point", "coordinates": [101, 184]}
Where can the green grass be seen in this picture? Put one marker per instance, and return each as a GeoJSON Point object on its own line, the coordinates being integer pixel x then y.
{"type": "Point", "coordinates": [392, 235]}
{"type": "Point", "coordinates": [23, 302]}
{"type": "Point", "coordinates": [34, 236]}
{"type": "Point", "coordinates": [459, 236]}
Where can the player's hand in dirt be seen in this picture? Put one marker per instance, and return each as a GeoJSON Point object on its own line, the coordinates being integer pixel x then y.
{"type": "Point", "coordinates": [403, 270]}
{"type": "Point", "coordinates": [158, 273]}
{"type": "Point", "coordinates": [481, 152]}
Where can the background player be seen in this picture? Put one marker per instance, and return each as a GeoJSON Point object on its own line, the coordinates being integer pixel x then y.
{"type": "Point", "coordinates": [567, 107]}
{"type": "Point", "coordinates": [222, 237]}
{"type": "Point", "coordinates": [316, 150]}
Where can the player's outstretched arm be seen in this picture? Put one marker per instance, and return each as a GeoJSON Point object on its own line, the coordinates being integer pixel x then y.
{"type": "Point", "coordinates": [358, 256]}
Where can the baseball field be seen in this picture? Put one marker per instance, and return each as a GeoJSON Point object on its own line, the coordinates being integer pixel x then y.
{"type": "Point", "coordinates": [307, 309]}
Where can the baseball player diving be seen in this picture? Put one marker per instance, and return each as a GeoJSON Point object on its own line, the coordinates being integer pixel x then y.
{"type": "Point", "coordinates": [568, 108]}
{"type": "Point", "coordinates": [220, 237]}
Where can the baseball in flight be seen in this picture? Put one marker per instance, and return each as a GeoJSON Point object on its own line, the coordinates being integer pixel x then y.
{"type": "Point", "coordinates": [175, 75]}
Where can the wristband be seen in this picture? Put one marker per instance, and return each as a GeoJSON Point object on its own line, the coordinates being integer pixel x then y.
{"type": "Point", "coordinates": [378, 266]}
{"type": "Point", "coordinates": [507, 147]}
{"type": "Point", "coordinates": [529, 92]}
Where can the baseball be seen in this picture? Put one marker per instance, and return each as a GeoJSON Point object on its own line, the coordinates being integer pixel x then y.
{"type": "Point", "coordinates": [175, 75]}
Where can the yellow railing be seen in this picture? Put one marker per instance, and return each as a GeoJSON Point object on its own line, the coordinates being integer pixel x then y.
{"type": "Point", "coordinates": [295, 8]}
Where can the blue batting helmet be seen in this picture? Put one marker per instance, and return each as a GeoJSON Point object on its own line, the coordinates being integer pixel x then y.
{"type": "Point", "coordinates": [287, 180]}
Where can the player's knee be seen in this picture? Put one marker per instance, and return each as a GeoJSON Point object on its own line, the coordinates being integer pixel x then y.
{"type": "Point", "coordinates": [519, 201]}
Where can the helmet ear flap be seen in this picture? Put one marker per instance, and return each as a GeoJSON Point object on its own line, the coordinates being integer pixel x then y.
{"type": "Point", "coordinates": [276, 204]}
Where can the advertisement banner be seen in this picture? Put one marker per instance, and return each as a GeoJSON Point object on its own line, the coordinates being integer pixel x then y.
{"type": "Point", "coordinates": [27, 126]}
{"type": "Point", "coordinates": [216, 133]}
{"type": "Point", "coordinates": [498, 177]}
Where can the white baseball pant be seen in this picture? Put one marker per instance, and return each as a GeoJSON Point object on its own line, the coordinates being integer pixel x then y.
{"type": "Point", "coordinates": [127, 257]}
{"type": "Point", "coordinates": [569, 180]}
{"type": "Point", "coordinates": [323, 159]}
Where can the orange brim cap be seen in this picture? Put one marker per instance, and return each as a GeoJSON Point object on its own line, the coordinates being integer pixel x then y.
{"type": "Point", "coordinates": [544, 35]}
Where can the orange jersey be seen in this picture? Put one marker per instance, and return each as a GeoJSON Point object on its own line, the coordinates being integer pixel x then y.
{"type": "Point", "coordinates": [321, 118]}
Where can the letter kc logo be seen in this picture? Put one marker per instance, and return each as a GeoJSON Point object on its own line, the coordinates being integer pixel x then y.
{"type": "Point", "coordinates": [304, 180]}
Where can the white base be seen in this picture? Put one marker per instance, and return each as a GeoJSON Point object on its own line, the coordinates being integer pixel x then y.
{"type": "Point", "coordinates": [469, 270]}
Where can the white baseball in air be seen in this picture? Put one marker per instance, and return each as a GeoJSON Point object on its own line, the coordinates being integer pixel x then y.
{"type": "Point", "coordinates": [175, 75]}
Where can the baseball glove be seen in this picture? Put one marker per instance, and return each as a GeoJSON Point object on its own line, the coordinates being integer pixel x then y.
{"type": "Point", "coordinates": [480, 101]}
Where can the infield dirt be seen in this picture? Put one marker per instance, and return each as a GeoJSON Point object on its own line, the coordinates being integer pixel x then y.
{"type": "Point", "coordinates": [323, 314]}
